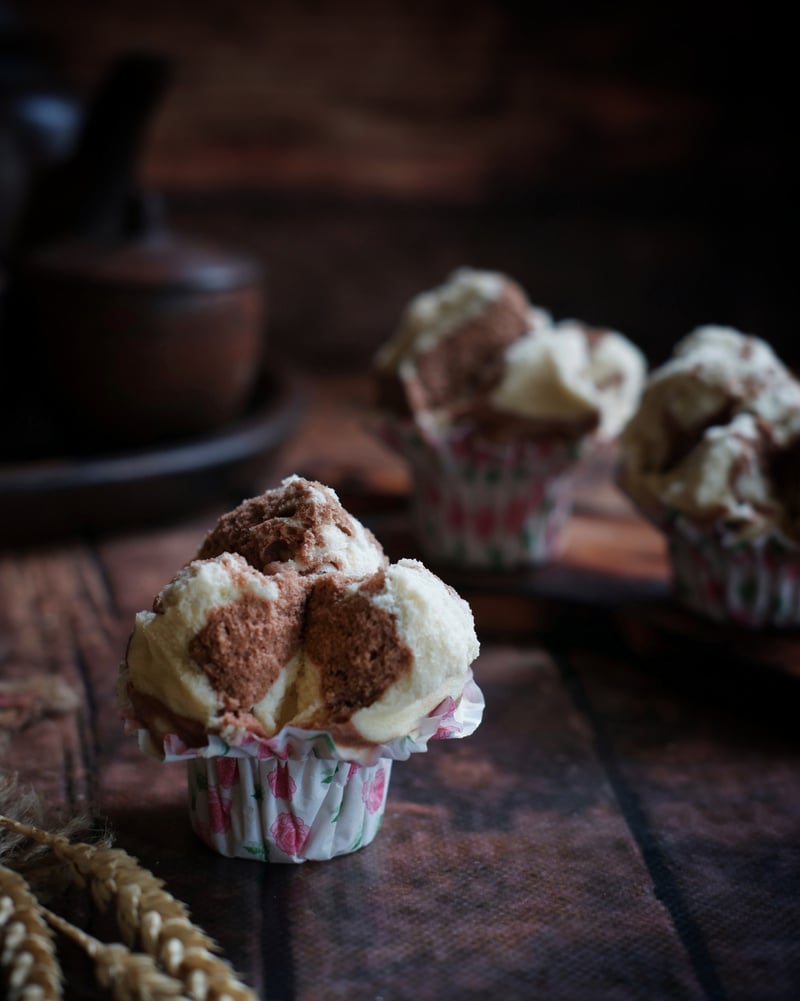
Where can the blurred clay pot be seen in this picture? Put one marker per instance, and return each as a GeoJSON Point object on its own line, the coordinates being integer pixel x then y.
{"type": "Point", "coordinates": [147, 338]}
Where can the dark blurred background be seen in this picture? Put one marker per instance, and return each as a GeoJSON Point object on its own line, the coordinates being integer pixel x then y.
{"type": "Point", "coordinates": [626, 162]}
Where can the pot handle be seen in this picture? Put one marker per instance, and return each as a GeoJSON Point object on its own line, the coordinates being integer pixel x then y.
{"type": "Point", "coordinates": [88, 195]}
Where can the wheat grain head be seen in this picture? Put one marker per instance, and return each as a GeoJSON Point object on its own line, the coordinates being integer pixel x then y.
{"type": "Point", "coordinates": [27, 952]}
{"type": "Point", "coordinates": [130, 976]}
{"type": "Point", "coordinates": [148, 914]}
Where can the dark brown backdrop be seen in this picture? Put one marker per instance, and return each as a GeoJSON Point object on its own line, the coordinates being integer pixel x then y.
{"type": "Point", "coordinates": [626, 165]}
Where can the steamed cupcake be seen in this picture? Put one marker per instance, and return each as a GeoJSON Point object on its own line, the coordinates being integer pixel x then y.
{"type": "Point", "coordinates": [493, 404]}
{"type": "Point", "coordinates": [289, 665]}
{"type": "Point", "coordinates": [711, 458]}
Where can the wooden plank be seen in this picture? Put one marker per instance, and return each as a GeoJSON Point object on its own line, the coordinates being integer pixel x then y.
{"type": "Point", "coordinates": [41, 599]}
{"type": "Point", "coordinates": [615, 829]}
{"type": "Point", "coordinates": [523, 804]}
{"type": "Point", "coordinates": [503, 869]}
{"type": "Point", "coordinates": [709, 787]}
{"type": "Point", "coordinates": [503, 866]}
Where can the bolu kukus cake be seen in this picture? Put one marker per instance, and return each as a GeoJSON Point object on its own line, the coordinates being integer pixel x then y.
{"type": "Point", "coordinates": [493, 403]}
{"type": "Point", "coordinates": [290, 663]}
{"type": "Point", "coordinates": [712, 457]}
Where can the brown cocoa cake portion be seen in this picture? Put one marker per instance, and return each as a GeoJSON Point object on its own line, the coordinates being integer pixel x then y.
{"type": "Point", "coordinates": [284, 525]}
{"type": "Point", "coordinates": [355, 645]}
{"type": "Point", "coordinates": [244, 645]}
{"type": "Point", "coordinates": [465, 364]}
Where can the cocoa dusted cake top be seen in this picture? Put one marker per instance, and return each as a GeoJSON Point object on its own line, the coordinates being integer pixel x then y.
{"type": "Point", "coordinates": [292, 615]}
{"type": "Point", "coordinates": [450, 341]}
{"type": "Point", "coordinates": [302, 525]}
{"type": "Point", "coordinates": [716, 438]}
{"type": "Point", "coordinates": [475, 353]}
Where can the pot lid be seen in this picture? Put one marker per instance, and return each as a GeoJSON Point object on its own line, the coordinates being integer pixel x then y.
{"type": "Point", "coordinates": [155, 260]}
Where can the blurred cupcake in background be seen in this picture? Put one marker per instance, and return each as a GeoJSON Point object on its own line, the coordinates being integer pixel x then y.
{"type": "Point", "coordinates": [712, 457]}
{"type": "Point", "coordinates": [493, 405]}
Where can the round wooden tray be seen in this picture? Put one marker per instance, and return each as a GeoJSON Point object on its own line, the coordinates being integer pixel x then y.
{"type": "Point", "coordinates": [62, 497]}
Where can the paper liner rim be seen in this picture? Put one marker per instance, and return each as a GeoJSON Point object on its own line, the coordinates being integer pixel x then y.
{"type": "Point", "coordinates": [443, 440]}
{"type": "Point", "coordinates": [451, 719]}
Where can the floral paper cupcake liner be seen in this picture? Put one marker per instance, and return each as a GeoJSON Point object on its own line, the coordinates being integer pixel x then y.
{"type": "Point", "coordinates": [754, 582]}
{"type": "Point", "coordinates": [298, 796]}
{"type": "Point", "coordinates": [487, 505]}
{"type": "Point", "coordinates": [286, 811]}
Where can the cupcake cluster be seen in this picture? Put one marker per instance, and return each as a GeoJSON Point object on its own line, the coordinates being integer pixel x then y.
{"type": "Point", "coordinates": [711, 457]}
{"type": "Point", "coordinates": [290, 663]}
{"type": "Point", "coordinates": [493, 404]}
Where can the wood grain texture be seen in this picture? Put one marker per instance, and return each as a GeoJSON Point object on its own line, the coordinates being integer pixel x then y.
{"type": "Point", "coordinates": [619, 162]}
{"type": "Point", "coordinates": [410, 98]}
{"type": "Point", "coordinates": [715, 807]}
{"type": "Point", "coordinates": [622, 825]}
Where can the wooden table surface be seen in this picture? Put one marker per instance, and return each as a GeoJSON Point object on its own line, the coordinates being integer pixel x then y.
{"type": "Point", "coordinates": [624, 824]}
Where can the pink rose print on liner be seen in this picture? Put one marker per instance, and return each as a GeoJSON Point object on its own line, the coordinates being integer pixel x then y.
{"type": "Point", "coordinates": [515, 513]}
{"type": "Point", "coordinates": [460, 448]}
{"type": "Point", "coordinates": [227, 771]}
{"type": "Point", "coordinates": [281, 783]}
{"type": "Point", "coordinates": [446, 710]}
{"type": "Point", "coordinates": [447, 724]}
{"type": "Point", "coordinates": [714, 591]}
{"type": "Point", "coordinates": [536, 493]}
{"type": "Point", "coordinates": [445, 730]}
{"type": "Point", "coordinates": [455, 515]}
{"type": "Point", "coordinates": [484, 522]}
{"type": "Point", "coordinates": [548, 449]}
{"type": "Point", "coordinates": [219, 811]}
{"type": "Point", "coordinates": [432, 495]}
{"type": "Point", "coordinates": [265, 748]}
{"type": "Point", "coordinates": [354, 767]}
{"type": "Point", "coordinates": [290, 833]}
{"type": "Point", "coordinates": [373, 791]}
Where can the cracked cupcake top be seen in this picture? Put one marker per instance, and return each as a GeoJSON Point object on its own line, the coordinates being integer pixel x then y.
{"type": "Point", "coordinates": [716, 438]}
{"type": "Point", "coordinates": [474, 352]}
{"type": "Point", "coordinates": [292, 615]}
{"type": "Point", "coordinates": [301, 525]}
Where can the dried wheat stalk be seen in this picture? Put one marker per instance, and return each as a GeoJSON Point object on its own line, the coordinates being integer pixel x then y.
{"type": "Point", "coordinates": [146, 913]}
{"type": "Point", "coordinates": [27, 952]}
{"type": "Point", "coordinates": [130, 976]}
